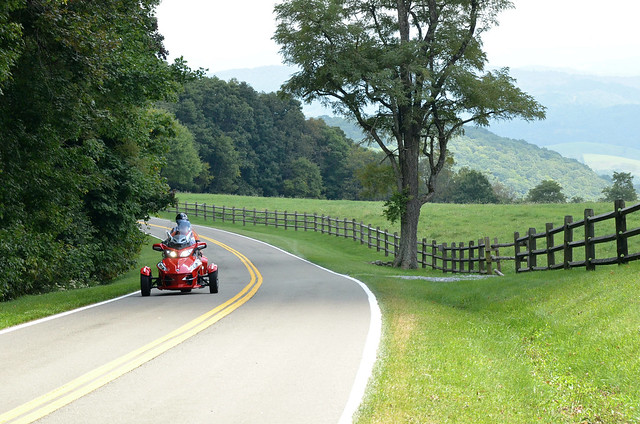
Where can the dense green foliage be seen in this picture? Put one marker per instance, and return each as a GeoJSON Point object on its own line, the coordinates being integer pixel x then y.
{"type": "Point", "coordinates": [622, 188]}
{"type": "Point", "coordinates": [261, 144]}
{"type": "Point", "coordinates": [548, 191]}
{"type": "Point", "coordinates": [80, 154]}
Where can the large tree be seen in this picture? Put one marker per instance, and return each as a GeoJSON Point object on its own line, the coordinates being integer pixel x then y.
{"type": "Point", "coordinates": [411, 73]}
{"type": "Point", "coordinates": [622, 188]}
{"type": "Point", "coordinates": [548, 191]}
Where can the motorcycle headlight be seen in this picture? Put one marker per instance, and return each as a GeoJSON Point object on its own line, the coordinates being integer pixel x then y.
{"type": "Point", "coordinates": [186, 253]}
{"type": "Point", "coordinates": [171, 253]}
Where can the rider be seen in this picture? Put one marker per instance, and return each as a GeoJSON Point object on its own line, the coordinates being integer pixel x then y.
{"type": "Point", "coordinates": [183, 226]}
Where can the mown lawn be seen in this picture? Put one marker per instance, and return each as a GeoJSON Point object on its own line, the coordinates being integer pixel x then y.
{"type": "Point", "coordinates": [552, 347]}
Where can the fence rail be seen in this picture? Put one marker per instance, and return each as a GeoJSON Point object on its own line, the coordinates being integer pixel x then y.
{"type": "Point", "coordinates": [481, 257]}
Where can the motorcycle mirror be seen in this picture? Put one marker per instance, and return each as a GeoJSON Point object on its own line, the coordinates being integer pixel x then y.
{"type": "Point", "coordinates": [201, 245]}
{"type": "Point", "coordinates": [158, 247]}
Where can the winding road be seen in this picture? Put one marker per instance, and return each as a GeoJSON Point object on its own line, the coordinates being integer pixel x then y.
{"type": "Point", "coordinates": [284, 341]}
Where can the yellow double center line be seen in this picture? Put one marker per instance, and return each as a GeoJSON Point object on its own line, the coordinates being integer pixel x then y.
{"type": "Point", "coordinates": [85, 384]}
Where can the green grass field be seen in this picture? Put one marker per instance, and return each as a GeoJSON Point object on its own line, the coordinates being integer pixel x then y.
{"type": "Point", "coordinates": [549, 347]}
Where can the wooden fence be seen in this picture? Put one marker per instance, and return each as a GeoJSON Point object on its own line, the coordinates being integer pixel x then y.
{"type": "Point", "coordinates": [527, 253]}
{"type": "Point", "coordinates": [481, 257]}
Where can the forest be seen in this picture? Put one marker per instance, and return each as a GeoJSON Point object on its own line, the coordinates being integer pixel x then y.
{"type": "Point", "coordinates": [250, 143]}
{"type": "Point", "coordinates": [80, 144]}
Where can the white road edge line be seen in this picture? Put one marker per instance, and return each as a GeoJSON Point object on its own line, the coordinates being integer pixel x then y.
{"type": "Point", "coordinates": [64, 314]}
{"type": "Point", "coordinates": [370, 351]}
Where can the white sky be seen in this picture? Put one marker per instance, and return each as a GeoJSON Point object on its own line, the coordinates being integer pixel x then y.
{"type": "Point", "coordinates": [590, 36]}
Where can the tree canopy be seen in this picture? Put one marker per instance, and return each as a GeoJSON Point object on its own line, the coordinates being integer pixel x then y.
{"type": "Point", "coordinates": [409, 72]}
{"type": "Point", "coordinates": [548, 191]}
{"type": "Point", "coordinates": [79, 162]}
{"type": "Point", "coordinates": [261, 144]}
{"type": "Point", "coordinates": [622, 188]}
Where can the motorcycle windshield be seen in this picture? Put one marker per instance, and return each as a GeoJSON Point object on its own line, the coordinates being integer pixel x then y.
{"type": "Point", "coordinates": [180, 241]}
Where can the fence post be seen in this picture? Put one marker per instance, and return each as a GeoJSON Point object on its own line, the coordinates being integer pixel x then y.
{"type": "Point", "coordinates": [487, 252]}
{"type": "Point", "coordinates": [471, 255]}
{"type": "Point", "coordinates": [244, 217]}
{"type": "Point", "coordinates": [532, 260]}
{"type": "Point", "coordinates": [454, 258]}
{"type": "Point", "coordinates": [444, 257]}
{"type": "Point", "coordinates": [589, 233]}
{"type": "Point", "coordinates": [377, 239]}
{"type": "Point", "coordinates": [516, 250]}
{"type": "Point", "coordinates": [424, 253]}
{"type": "Point", "coordinates": [434, 254]}
{"type": "Point", "coordinates": [498, 262]}
{"type": "Point", "coordinates": [461, 267]}
{"type": "Point", "coordinates": [386, 243]}
{"type": "Point", "coordinates": [551, 257]}
{"type": "Point", "coordinates": [481, 257]}
{"type": "Point", "coordinates": [395, 244]}
{"type": "Point", "coordinates": [568, 239]}
{"type": "Point", "coordinates": [204, 207]}
{"type": "Point", "coordinates": [621, 228]}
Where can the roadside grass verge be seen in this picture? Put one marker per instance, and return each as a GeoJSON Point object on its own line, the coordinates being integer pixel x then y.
{"type": "Point", "coordinates": [551, 347]}
{"type": "Point", "coordinates": [32, 307]}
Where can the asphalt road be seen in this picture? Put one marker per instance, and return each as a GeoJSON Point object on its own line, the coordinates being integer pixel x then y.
{"type": "Point", "coordinates": [283, 341]}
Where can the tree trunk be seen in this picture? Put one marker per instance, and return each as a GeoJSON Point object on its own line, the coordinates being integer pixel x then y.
{"type": "Point", "coordinates": [407, 257]}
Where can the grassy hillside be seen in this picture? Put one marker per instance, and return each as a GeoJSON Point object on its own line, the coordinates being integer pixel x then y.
{"type": "Point", "coordinates": [440, 222]}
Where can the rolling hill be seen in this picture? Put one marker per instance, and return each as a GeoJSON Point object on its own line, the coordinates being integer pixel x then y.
{"type": "Point", "coordinates": [587, 116]}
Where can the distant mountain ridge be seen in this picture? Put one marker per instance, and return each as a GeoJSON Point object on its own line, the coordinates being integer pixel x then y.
{"type": "Point", "coordinates": [587, 115]}
{"type": "Point", "coordinates": [516, 164]}
{"type": "Point", "coordinates": [521, 166]}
